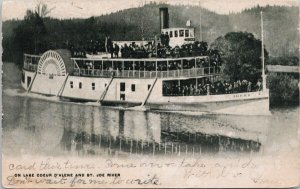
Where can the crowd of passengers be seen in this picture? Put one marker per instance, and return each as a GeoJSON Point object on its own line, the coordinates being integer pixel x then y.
{"type": "Point", "coordinates": [134, 50]}
{"type": "Point", "coordinates": [188, 50]}
{"type": "Point", "coordinates": [209, 88]}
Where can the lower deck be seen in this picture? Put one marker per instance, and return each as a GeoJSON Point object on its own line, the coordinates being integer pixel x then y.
{"type": "Point", "coordinates": [149, 92]}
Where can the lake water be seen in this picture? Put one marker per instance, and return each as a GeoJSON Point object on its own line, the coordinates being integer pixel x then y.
{"type": "Point", "coordinates": [39, 125]}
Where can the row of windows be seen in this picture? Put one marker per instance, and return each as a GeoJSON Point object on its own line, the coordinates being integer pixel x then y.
{"type": "Point", "coordinates": [80, 85]}
{"type": "Point", "coordinates": [122, 86]}
{"type": "Point", "coordinates": [182, 33]}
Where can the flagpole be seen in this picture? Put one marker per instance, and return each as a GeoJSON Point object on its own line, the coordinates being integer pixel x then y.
{"type": "Point", "coordinates": [263, 53]}
{"type": "Point", "coordinates": [200, 23]}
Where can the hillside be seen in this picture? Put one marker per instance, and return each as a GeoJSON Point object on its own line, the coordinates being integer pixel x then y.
{"type": "Point", "coordinates": [280, 23]}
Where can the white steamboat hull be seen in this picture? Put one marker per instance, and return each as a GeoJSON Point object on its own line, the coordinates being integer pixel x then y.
{"type": "Point", "coordinates": [251, 103]}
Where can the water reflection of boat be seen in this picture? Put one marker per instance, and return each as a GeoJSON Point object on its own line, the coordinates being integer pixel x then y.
{"type": "Point", "coordinates": [92, 130]}
{"type": "Point", "coordinates": [152, 133]}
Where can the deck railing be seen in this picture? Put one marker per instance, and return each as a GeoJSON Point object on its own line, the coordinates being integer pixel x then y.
{"type": "Point", "coordinates": [31, 62]}
{"type": "Point", "coordinates": [184, 67]}
{"type": "Point", "coordinates": [30, 67]}
{"type": "Point", "coordinates": [194, 72]}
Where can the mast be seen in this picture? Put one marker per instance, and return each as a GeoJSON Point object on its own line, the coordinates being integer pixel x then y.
{"type": "Point", "coordinates": [263, 75]}
{"type": "Point", "coordinates": [200, 22]}
{"type": "Point", "coordinates": [142, 21]}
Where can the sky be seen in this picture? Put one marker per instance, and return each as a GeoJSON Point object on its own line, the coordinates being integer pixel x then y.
{"type": "Point", "coordinates": [16, 9]}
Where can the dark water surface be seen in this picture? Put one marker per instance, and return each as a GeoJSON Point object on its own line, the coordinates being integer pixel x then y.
{"type": "Point", "coordinates": [36, 125]}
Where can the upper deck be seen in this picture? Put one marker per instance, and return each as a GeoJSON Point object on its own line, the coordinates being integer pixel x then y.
{"type": "Point", "coordinates": [136, 68]}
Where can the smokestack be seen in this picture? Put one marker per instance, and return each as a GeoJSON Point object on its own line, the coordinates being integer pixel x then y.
{"type": "Point", "coordinates": [163, 18]}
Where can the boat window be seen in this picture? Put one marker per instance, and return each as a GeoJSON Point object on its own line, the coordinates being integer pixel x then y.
{"type": "Point", "coordinates": [97, 65]}
{"type": "Point", "coordinates": [191, 34]}
{"type": "Point", "coordinates": [171, 34]}
{"type": "Point", "coordinates": [128, 65]}
{"type": "Point", "coordinates": [149, 87]}
{"type": "Point", "coordinates": [181, 33]}
{"type": "Point", "coordinates": [71, 84]}
{"type": "Point", "coordinates": [23, 77]}
{"type": "Point", "coordinates": [122, 96]}
{"type": "Point", "coordinates": [150, 66]}
{"type": "Point", "coordinates": [28, 81]}
{"type": "Point", "coordinates": [186, 33]}
{"type": "Point", "coordinates": [176, 33]}
{"type": "Point", "coordinates": [133, 87]}
{"type": "Point", "coordinates": [122, 86]}
{"type": "Point", "coordinates": [80, 85]}
{"type": "Point", "coordinates": [93, 86]}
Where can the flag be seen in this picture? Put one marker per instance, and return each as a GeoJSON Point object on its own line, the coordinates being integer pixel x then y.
{"type": "Point", "coordinates": [188, 23]}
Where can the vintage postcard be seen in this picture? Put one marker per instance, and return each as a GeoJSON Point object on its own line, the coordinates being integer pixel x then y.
{"type": "Point", "coordinates": [150, 94]}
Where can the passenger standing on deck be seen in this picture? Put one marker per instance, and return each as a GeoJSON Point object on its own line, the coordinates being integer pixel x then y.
{"type": "Point", "coordinates": [191, 90]}
{"type": "Point", "coordinates": [116, 50]}
{"type": "Point", "coordinates": [259, 85]}
{"type": "Point", "coordinates": [235, 87]}
{"type": "Point", "coordinates": [109, 46]}
{"type": "Point", "coordinates": [239, 84]}
{"type": "Point", "coordinates": [249, 86]}
{"type": "Point", "coordinates": [208, 89]}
